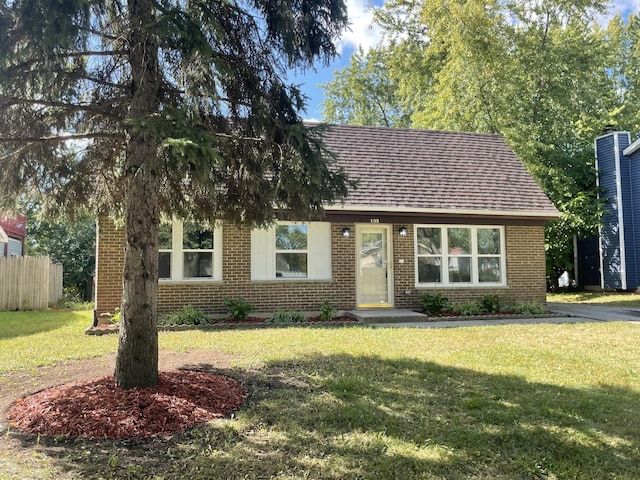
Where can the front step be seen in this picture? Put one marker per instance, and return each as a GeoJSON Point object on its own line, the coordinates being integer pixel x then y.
{"type": "Point", "coordinates": [386, 315]}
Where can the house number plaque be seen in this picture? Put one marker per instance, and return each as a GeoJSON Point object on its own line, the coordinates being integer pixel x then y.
{"type": "Point", "coordinates": [375, 220]}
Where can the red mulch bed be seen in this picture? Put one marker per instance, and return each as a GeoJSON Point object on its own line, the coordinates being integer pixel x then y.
{"type": "Point", "coordinates": [99, 409]}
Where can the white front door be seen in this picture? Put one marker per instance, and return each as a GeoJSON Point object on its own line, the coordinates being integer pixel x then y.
{"type": "Point", "coordinates": [375, 274]}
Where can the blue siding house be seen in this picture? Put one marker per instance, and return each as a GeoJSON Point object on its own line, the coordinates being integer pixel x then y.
{"type": "Point", "coordinates": [618, 164]}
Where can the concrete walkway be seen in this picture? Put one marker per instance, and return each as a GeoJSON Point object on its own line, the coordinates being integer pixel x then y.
{"type": "Point", "coordinates": [567, 313]}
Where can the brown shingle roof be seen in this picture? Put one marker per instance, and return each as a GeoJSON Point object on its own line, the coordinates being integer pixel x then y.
{"type": "Point", "coordinates": [426, 170]}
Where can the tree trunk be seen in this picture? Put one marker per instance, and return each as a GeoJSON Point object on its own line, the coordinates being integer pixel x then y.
{"type": "Point", "coordinates": [137, 360]}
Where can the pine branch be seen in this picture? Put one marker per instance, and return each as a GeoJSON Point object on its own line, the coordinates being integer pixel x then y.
{"type": "Point", "coordinates": [61, 138]}
{"type": "Point", "coordinates": [68, 107]}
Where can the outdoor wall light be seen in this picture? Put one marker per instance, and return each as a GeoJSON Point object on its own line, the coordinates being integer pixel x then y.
{"type": "Point", "coordinates": [346, 233]}
{"type": "Point", "coordinates": [402, 231]}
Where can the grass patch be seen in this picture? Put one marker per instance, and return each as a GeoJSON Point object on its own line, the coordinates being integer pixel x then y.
{"type": "Point", "coordinates": [42, 338]}
{"type": "Point", "coordinates": [505, 402]}
{"type": "Point", "coordinates": [613, 299]}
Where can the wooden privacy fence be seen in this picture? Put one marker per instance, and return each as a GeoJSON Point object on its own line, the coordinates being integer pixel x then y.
{"type": "Point", "coordinates": [29, 283]}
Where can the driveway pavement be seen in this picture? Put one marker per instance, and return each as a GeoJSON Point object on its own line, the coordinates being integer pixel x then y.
{"type": "Point", "coordinates": [570, 313]}
{"type": "Point", "coordinates": [596, 312]}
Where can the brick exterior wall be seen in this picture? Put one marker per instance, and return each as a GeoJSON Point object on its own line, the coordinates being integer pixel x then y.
{"type": "Point", "coordinates": [525, 261]}
{"type": "Point", "coordinates": [525, 270]}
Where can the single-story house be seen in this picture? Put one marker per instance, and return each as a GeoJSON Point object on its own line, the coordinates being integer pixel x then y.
{"type": "Point", "coordinates": [611, 260]}
{"type": "Point", "coordinates": [434, 212]}
{"type": "Point", "coordinates": [12, 235]}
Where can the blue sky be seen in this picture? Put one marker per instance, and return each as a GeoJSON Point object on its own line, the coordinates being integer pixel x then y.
{"type": "Point", "coordinates": [363, 34]}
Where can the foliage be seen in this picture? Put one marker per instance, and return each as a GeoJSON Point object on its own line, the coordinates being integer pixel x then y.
{"type": "Point", "coordinates": [71, 243]}
{"type": "Point", "coordinates": [533, 308]}
{"type": "Point", "coordinates": [364, 93]}
{"type": "Point", "coordinates": [135, 109]}
{"type": "Point", "coordinates": [282, 316]}
{"type": "Point", "coordinates": [238, 308]}
{"type": "Point", "coordinates": [468, 308]}
{"type": "Point", "coordinates": [490, 303]}
{"type": "Point", "coordinates": [327, 311]}
{"type": "Point", "coordinates": [187, 315]}
{"type": "Point", "coordinates": [72, 300]}
{"type": "Point", "coordinates": [433, 304]}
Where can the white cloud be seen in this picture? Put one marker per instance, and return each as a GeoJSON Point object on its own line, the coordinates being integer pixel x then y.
{"type": "Point", "coordinates": [362, 32]}
{"type": "Point", "coordinates": [625, 6]}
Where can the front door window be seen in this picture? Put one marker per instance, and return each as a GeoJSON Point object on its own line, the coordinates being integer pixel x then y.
{"type": "Point", "coordinates": [373, 268]}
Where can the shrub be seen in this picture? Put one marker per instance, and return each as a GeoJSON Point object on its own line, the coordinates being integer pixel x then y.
{"type": "Point", "coordinates": [466, 308]}
{"type": "Point", "coordinates": [490, 303]}
{"type": "Point", "coordinates": [187, 315]}
{"type": "Point", "coordinates": [434, 304]}
{"type": "Point", "coordinates": [238, 308]}
{"type": "Point", "coordinates": [327, 311]}
{"type": "Point", "coordinates": [533, 308]}
{"type": "Point", "coordinates": [287, 317]}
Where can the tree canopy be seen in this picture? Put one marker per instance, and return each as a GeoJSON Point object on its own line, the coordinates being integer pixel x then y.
{"type": "Point", "coordinates": [546, 75]}
{"type": "Point", "coordinates": [140, 107]}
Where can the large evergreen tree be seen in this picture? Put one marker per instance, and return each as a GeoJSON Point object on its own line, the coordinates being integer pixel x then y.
{"type": "Point", "coordinates": [140, 107]}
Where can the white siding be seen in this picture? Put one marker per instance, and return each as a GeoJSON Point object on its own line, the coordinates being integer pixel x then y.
{"type": "Point", "coordinates": [15, 248]}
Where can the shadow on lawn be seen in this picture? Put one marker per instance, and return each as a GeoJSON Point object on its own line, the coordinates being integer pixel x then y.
{"type": "Point", "coordinates": [341, 417]}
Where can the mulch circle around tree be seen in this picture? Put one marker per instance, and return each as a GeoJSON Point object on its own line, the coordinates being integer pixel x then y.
{"type": "Point", "coordinates": [99, 409]}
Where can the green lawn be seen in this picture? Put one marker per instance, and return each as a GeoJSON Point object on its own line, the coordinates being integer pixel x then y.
{"type": "Point", "coordinates": [507, 402]}
{"type": "Point", "coordinates": [597, 298]}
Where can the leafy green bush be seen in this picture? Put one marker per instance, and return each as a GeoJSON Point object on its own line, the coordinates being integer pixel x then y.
{"type": "Point", "coordinates": [287, 317]}
{"type": "Point", "coordinates": [72, 300]}
{"type": "Point", "coordinates": [327, 311]}
{"type": "Point", "coordinates": [533, 308]}
{"type": "Point", "coordinates": [467, 308]}
{"type": "Point", "coordinates": [433, 304]}
{"type": "Point", "coordinates": [238, 308]}
{"type": "Point", "coordinates": [187, 315]}
{"type": "Point", "coordinates": [490, 303]}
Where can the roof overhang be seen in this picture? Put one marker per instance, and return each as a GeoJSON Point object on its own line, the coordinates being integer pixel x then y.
{"type": "Point", "coordinates": [631, 149]}
{"type": "Point", "coordinates": [453, 212]}
{"type": "Point", "coordinates": [3, 236]}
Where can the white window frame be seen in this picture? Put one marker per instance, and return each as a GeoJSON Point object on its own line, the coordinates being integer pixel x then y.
{"type": "Point", "coordinates": [318, 251]}
{"type": "Point", "coordinates": [302, 251]}
{"type": "Point", "coordinates": [475, 256]}
{"type": "Point", "coordinates": [177, 254]}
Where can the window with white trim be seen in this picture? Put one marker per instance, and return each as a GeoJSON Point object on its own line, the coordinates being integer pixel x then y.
{"type": "Point", "coordinates": [189, 251]}
{"type": "Point", "coordinates": [459, 255]}
{"type": "Point", "coordinates": [291, 251]}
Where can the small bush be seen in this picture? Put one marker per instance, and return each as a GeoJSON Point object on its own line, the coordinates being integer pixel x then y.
{"type": "Point", "coordinates": [238, 308]}
{"type": "Point", "coordinates": [187, 315]}
{"type": "Point", "coordinates": [72, 300]}
{"type": "Point", "coordinates": [490, 303]}
{"type": "Point", "coordinates": [327, 311]}
{"type": "Point", "coordinates": [466, 309]}
{"type": "Point", "coordinates": [434, 304]}
{"type": "Point", "coordinates": [287, 317]}
{"type": "Point", "coordinates": [531, 308]}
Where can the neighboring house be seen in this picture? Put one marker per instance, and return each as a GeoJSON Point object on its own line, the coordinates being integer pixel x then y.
{"type": "Point", "coordinates": [434, 212]}
{"type": "Point", "coordinates": [12, 234]}
{"type": "Point", "coordinates": [611, 261]}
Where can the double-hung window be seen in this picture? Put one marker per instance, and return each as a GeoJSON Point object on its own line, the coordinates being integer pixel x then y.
{"type": "Point", "coordinates": [189, 251]}
{"type": "Point", "coordinates": [291, 251]}
{"type": "Point", "coordinates": [459, 255]}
